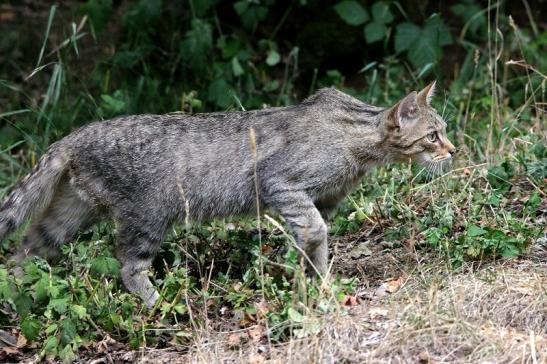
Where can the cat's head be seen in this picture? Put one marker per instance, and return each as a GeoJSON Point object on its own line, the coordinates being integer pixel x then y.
{"type": "Point", "coordinates": [418, 133]}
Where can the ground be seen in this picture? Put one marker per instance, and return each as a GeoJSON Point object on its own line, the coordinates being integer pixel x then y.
{"type": "Point", "coordinates": [409, 307]}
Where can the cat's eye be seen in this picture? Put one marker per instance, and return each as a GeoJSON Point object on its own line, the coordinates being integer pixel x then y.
{"type": "Point", "coordinates": [432, 137]}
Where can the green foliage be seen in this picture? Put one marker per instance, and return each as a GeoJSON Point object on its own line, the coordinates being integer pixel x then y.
{"type": "Point", "coordinates": [197, 44]}
{"type": "Point", "coordinates": [352, 12]}
{"type": "Point", "coordinates": [99, 12]}
{"type": "Point", "coordinates": [423, 45]}
{"type": "Point", "coordinates": [376, 30]}
{"type": "Point", "coordinates": [472, 15]}
{"type": "Point", "coordinates": [251, 14]}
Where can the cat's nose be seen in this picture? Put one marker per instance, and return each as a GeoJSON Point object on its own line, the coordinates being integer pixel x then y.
{"type": "Point", "coordinates": [452, 151]}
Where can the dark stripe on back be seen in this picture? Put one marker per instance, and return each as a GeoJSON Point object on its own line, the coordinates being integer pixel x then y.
{"type": "Point", "coordinates": [10, 223]}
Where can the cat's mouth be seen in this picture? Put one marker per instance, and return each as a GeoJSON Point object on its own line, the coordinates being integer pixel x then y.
{"type": "Point", "coordinates": [441, 158]}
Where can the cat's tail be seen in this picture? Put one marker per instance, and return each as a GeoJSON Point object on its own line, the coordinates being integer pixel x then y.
{"type": "Point", "coordinates": [34, 193]}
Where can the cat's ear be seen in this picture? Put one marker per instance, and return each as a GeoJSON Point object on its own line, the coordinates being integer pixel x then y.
{"type": "Point", "coordinates": [404, 111]}
{"type": "Point", "coordinates": [425, 96]}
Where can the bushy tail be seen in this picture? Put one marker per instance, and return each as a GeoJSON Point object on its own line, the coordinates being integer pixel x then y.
{"type": "Point", "coordinates": [34, 193]}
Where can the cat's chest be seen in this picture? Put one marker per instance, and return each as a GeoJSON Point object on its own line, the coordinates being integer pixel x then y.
{"type": "Point", "coordinates": [330, 194]}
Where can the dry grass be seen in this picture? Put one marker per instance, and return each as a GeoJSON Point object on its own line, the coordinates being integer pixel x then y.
{"type": "Point", "coordinates": [494, 314]}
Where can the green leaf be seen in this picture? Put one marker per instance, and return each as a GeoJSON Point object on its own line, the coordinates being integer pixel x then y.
{"type": "Point", "coordinates": [229, 46]}
{"type": "Point", "coordinates": [498, 178]}
{"type": "Point", "coordinates": [241, 6]}
{"type": "Point", "coordinates": [475, 230]}
{"type": "Point", "coordinates": [99, 12]}
{"type": "Point", "coordinates": [201, 6]}
{"type": "Point", "coordinates": [423, 52]}
{"type": "Point", "coordinates": [273, 58]}
{"type": "Point", "coordinates": [23, 304]}
{"type": "Point", "coordinates": [405, 36]}
{"type": "Point", "coordinates": [59, 304]}
{"type": "Point", "coordinates": [67, 354]}
{"type": "Point", "coordinates": [425, 44]}
{"type": "Point", "coordinates": [250, 14]}
{"type": "Point", "coordinates": [381, 12]}
{"type": "Point", "coordinates": [510, 251]}
{"type": "Point", "coordinates": [375, 31]}
{"type": "Point", "coordinates": [106, 266]}
{"type": "Point", "coordinates": [352, 12]}
{"type": "Point", "coordinates": [494, 200]}
{"type": "Point", "coordinates": [469, 12]}
{"type": "Point", "coordinates": [437, 32]}
{"type": "Point", "coordinates": [50, 346]}
{"type": "Point", "coordinates": [534, 201]}
{"type": "Point", "coordinates": [40, 288]}
{"type": "Point", "coordinates": [294, 315]}
{"type": "Point", "coordinates": [51, 329]}
{"type": "Point", "coordinates": [197, 43]}
{"type": "Point", "coordinates": [30, 327]}
{"type": "Point", "coordinates": [7, 290]}
{"type": "Point", "coordinates": [236, 67]}
{"type": "Point", "coordinates": [219, 92]}
{"type": "Point", "coordinates": [271, 86]}
{"type": "Point", "coordinates": [79, 311]}
{"type": "Point", "coordinates": [112, 104]}
{"type": "Point", "coordinates": [141, 15]}
{"type": "Point", "coordinates": [68, 331]}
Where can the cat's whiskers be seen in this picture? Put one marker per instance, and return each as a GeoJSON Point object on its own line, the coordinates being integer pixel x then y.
{"type": "Point", "coordinates": [430, 169]}
{"type": "Point", "coordinates": [424, 168]}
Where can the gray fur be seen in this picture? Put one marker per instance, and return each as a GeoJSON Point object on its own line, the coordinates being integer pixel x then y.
{"type": "Point", "coordinates": [145, 171]}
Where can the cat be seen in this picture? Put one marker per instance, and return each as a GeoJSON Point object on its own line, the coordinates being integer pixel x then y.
{"type": "Point", "coordinates": [146, 172]}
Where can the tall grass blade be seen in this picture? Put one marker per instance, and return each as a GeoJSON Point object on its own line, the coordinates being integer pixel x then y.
{"type": "Point", "coordinates": [49, 22]}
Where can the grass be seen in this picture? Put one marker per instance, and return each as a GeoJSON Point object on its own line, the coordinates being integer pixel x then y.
{"type": "Point", "coordinates": [494, 314]}
{"type": "Point", "coordinates": [450, 269]}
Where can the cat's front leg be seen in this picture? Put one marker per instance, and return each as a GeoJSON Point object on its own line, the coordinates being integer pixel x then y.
{"type": "Point", "coordinates": [308, 227]}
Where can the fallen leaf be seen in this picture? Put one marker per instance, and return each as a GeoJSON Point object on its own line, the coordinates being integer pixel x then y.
{"type": "Point", "coordinates": [105, 345]}
{"type": "Point", "coordinates": [10, 350]}
{"type": "Point", "coordinates": [350, 300]}
{"type": "Point", "coordinates": [390, 286]}
{"type": "Point", "coordinates": [394, 285]}
{"type": "Point", "coordinates": [247, 320]}
{"type": "Point", "coordinates": [21, 341]}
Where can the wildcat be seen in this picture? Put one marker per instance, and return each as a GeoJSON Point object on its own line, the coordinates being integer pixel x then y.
{"type": "Point", "coordinates": [146, 172]}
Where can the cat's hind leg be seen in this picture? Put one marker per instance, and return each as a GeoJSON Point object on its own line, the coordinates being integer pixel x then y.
{"type": "Point", "coordinates": [138, 244]}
